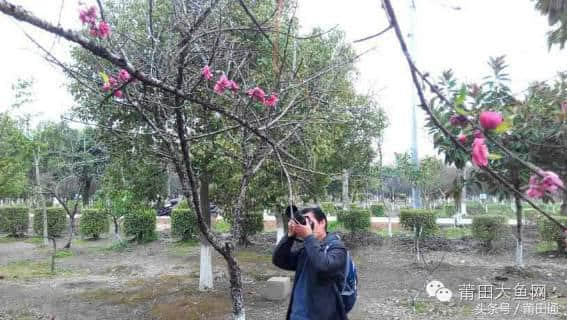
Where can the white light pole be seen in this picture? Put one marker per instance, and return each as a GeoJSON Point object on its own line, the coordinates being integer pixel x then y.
{"type": "Point", "coordinates": [415, 191]}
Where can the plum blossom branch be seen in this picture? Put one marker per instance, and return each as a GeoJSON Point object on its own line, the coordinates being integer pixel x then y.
{"type": "Point", "coordinates": [424, 105]}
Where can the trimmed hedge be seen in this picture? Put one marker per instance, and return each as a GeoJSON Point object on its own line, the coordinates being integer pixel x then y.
{"type": "Point", "coordinates": [354, 220]}
{"type": "Point", "coordinates": [488, 228]}
{"type": "Point", "coordinates": [253, 222]}
{"type": "Point", "coordinates": [551, 232]}
{"type": "Point", "coordinates": [56, 221]}
{"type": "Point", "coordinates": [184, 224]}
{"type": "Point", "coordinates": [141, 223]}
{"type": "Point", "coordinates": [14, 220]}
{"type": "Point", "coordinates": [377, 210]}
{"type": "Point", "coordinates": [93, 223]}
{"type": "Point", "coordinates": [415, 219]}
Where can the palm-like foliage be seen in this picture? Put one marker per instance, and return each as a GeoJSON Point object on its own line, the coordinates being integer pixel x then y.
{"type": "Point", "coordinates": [556, 12]}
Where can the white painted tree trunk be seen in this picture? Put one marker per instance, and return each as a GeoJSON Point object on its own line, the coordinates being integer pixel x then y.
{"type": "Point", "coordinates": [241, 316]}
{"type": "Point", "coordinates": [279, 226]}
{"type": "Point", "coordinates": [519, 253]}
{"type": "Point", "coordinates": [206, 262]}
{"type": "Point", "coordinates": [206, 267]}
{"type": "Point", "coordinates": [346, 201]}
{"type": "Point", "coordinates": [41, 200]}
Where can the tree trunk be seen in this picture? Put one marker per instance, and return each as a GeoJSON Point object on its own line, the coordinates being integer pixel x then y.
{"type": "Point", "coordinates": [346, 201]}
{"type": "Point", "coordinates": [238, 312]}
{"type": "Point", "coordinates": [519, 240]}
{"type": "Point", "coordinates": [53, 255]}
{"type": "Point", "coordinates": [206, 261]}
{"type": "Point", "coordinates": [41, 200]}
{"type": "Point", "coordinates": [281, 230]}
{"type": "Point", "coordinates": [71, 231]}
{"type": "Point", "coordinates": [86, 191]}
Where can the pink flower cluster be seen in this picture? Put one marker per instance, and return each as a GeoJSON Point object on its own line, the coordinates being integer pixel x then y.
{"type": "Point", "coordinates": [538, 186]}
{"type": "Point", "coordinates": [258, 94]}
{"type": "Point", "coordinates": [88, 16]}
{"type": "Point", "coordinates": [116, 81]}
{"type": "Point", "coordinates": [223, 83]}
{"type": "Point", "coordinates": [490, 120]}
{"type": "Point", "coordinates": [479, 152]}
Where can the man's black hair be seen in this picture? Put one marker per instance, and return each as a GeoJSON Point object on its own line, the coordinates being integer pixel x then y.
{"type": "Point", "coordinates": [318, 213]}
{"type": "Point", "coordinates": [289, 209]}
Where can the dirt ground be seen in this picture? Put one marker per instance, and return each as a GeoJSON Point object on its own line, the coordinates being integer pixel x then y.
{"type": "Point", "coordinates": [159, 280]}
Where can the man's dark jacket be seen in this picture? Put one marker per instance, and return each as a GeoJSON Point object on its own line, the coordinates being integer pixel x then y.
{"type": "Point", "coordinates": [323, 270]}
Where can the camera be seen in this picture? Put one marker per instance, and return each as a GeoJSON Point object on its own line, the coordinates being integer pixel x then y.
{"type": "Point", "coordinates": [303, 220]}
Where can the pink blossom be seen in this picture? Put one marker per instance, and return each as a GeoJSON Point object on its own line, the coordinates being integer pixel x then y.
{"type": "Point", "coordinates": [551, 181]}
{"type": "Point", "coordinates": [538, 186]}
{"type": "Point", "coordinates": [479, 153]}
{"type": "Point", "coordinates": [564, 106]}
{"type": "Point", "coordinates": [271, 100]}
{"type": "Point", "coordinates": [462, 138]}
{"type": "Point", "coordinates": [88, 16]}
{"type": "Point", "coordinates": [123, 75]}
{"type": "Point", "coordinates": [222, 84]}
{"type": "Point", "coordinates": [118, 93]}
{"type": "Point", "coordinates": [113, 82]}
{"type": "Point", "coordinates": [206, 73]}
{"type": "Point", "coordinates": [258, 94]}
{"type": "Point", "coordinates": [478, 134]}
{"type": "Point", "coordinates": [490, 119]}
{"type": "Point", "coordinates": [233, 86]}
{"type": "Point", "coordinates": [103, 30]}
{"type": "Point", "coordinates": [106, 87]}
{"type": "Point", "coordinates": [534, 193]}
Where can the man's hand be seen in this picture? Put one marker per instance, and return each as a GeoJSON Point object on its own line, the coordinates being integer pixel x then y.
{"type": "Point", "coordinates": [291, 228]}
{"type": "Point", "coordinates": [303, 231]}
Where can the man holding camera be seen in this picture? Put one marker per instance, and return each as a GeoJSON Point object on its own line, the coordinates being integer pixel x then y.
{"type": "Point", "coordinates": [318, 267]}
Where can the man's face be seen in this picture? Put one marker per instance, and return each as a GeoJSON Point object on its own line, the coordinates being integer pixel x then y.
{"type": "Point", "coordinates": [318, 226]}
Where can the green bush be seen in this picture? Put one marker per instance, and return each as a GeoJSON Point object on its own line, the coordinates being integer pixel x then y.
{"type": "Point", "coordinates": [329, 208]}
{"type": "Point", "coordinates": [488, 228]}
{"type": "Point", "coordinates": [334, 226]}
{"type": "Point", "coordinates": [184, 224]}
{"type": "Point", "coordinates": [141, 223]}
{"type": "Point", "coordinates": [377, 210]}
{"type": "Point", "coordinates": [93, 222]}
{"type": "Point", "coordinates": [253, 222]}
{"type": "Point", "coordinates": [14, 220]}
{"type": "Point", "coordinates": [418, 219]}
{"type": "Point", "coordinates": [551, 232]}
{"type": "Point", "coordinates": [56, 221]}
{"type": "Point", "coordinates": [354, 220]}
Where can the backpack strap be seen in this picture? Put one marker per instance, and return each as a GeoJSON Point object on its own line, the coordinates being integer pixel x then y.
{"type": "Point", "coordinates": [347, 266]}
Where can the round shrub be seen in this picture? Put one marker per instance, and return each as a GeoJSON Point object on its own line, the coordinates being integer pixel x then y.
{"type": "Point", "coordinates": [253, 222]}
{"type": "Point", "coordinates": [93, 222]}
{"type": "Point", "coordinates": [14, 220]}
{"type": "Point", "coordinates": [488, 228]}
{"type": "Point", "coordinates": [377, 210]}
{"type": "Point", "coordinates": [184, 224]}
{"type": "Point", "coordinates": [551, 232]}
{"type": "Point", "coordinates": [56, 221]}
{"type": "Point", "coordinates": [329, 208]}
{"type": "Point", "coordinates": [141, 223]}
{"type": "Point", "coordinates": [419, 219]}
{"type": "Point", "coordinates": [354, 220]}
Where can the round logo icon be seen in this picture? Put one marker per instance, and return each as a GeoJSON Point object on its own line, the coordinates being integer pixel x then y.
{"type": "Point", "coordinates": [437, 289]}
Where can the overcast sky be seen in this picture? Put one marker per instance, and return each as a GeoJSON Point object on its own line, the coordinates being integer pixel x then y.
{"type": "Point", "coordinates": [455, 34]}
